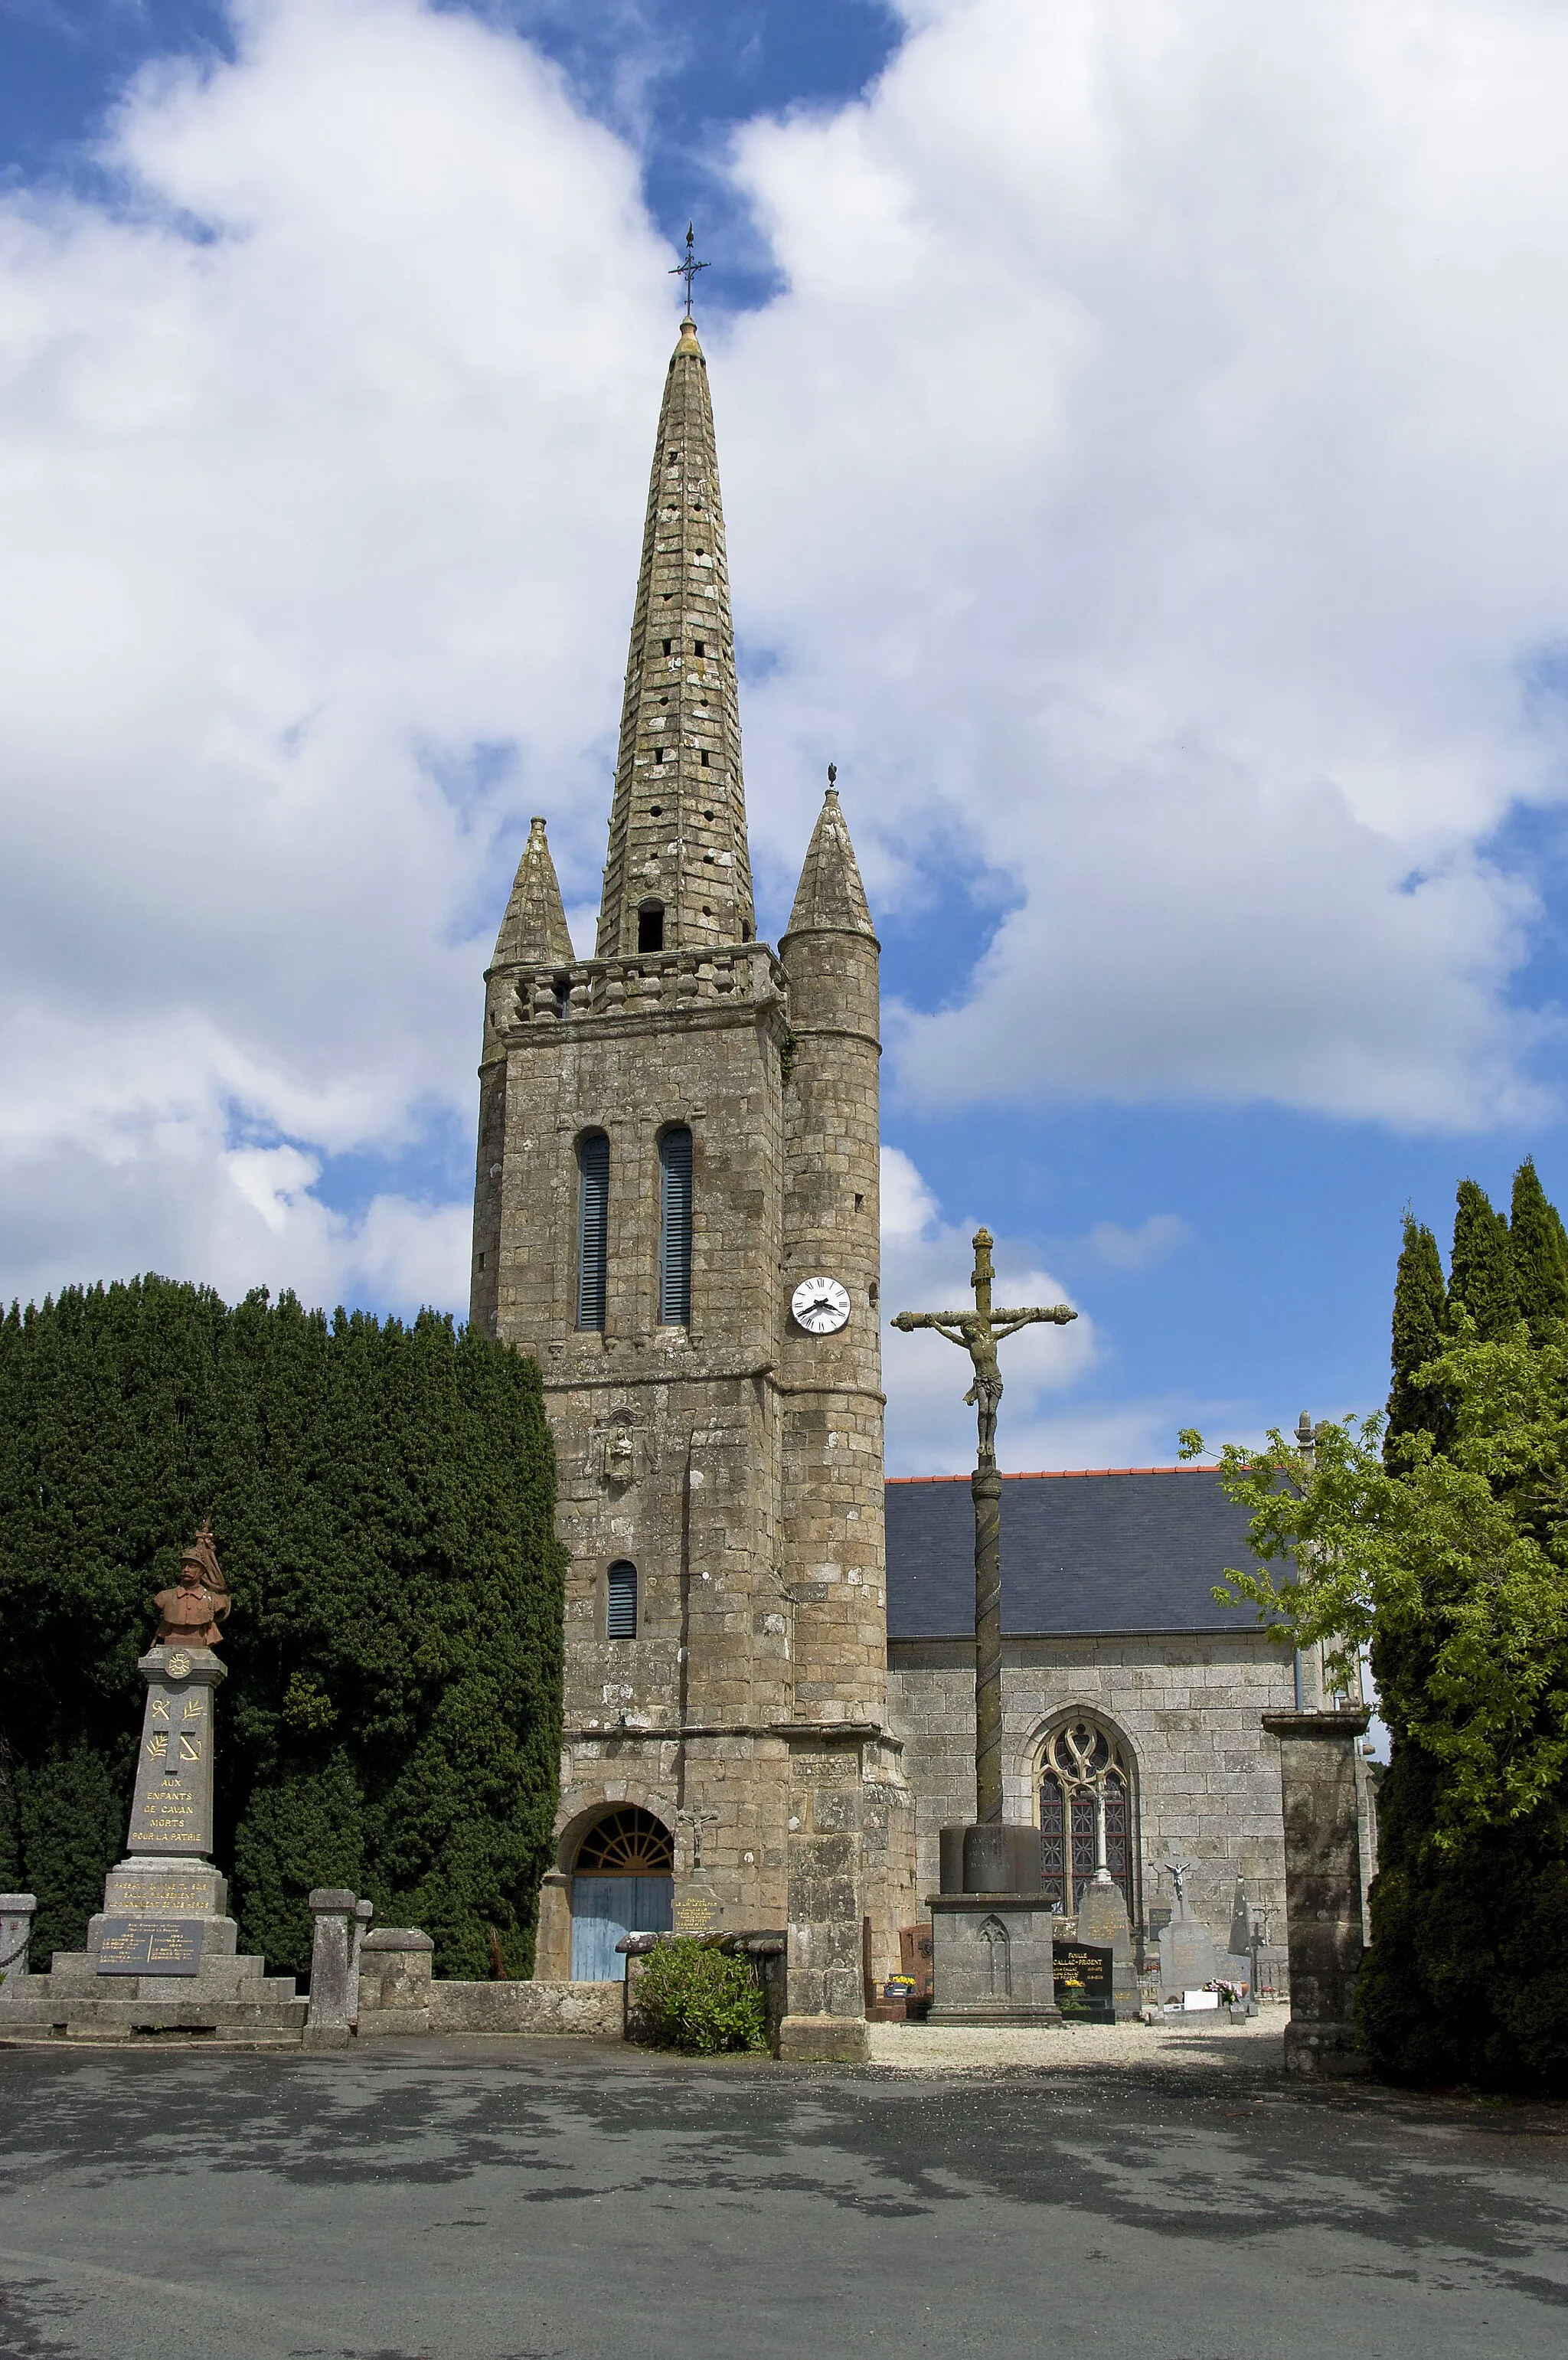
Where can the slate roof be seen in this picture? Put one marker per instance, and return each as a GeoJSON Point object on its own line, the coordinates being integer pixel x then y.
{"type": "Point", "coordinates": [1117, 1549]}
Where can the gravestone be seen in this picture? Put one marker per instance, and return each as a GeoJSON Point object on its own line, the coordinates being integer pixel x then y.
{"type": "Point", "coordinates": [1102, 1920]}
{"type": "Point", "coordinates": [1187, 1955]}
{"type": "Point", "coordinates": [1083, 1973]}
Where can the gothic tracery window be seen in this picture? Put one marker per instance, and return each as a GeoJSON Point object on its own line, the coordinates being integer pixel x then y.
{"type": "Point", "coordinates": [1084, 1777]}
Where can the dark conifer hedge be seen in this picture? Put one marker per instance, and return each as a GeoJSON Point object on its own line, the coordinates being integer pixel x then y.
{"type": "Point", "coordinates": [383, 1502]}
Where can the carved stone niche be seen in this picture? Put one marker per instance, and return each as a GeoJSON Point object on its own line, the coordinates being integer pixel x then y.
{"type": "Point", "coordinates": [619, 1446]}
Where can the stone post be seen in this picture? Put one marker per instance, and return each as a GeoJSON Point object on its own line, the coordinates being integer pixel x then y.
{"type": "Point", "coordinates": [15, 1933]}
{"type": "Point", "coordinates": [398, 1969]}
{"type": "Point", "coordinates": [330, 2023]}
{"type": "Point", "coordinates": [1322, 1885]}
{"type": "Point", "coordinates": [553, 1931]}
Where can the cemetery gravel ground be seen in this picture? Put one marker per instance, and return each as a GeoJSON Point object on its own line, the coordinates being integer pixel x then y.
{"type": "Point", "coordinates": [514, 2199]}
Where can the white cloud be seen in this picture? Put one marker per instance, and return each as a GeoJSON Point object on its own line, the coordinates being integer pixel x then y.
{"type": "Point", "coordinates": [1143, 1248]}
{"type": "Point", "coordinates": [1152, 486]}
{"type": "Point", "coordinates": [1180, 412]}
{"type": "Point", "coordinates": [322, 460]}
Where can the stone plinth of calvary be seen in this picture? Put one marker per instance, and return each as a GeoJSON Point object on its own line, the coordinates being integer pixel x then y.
{"type": "Point", "coordinates": [162, 1954]}
{"type": "Point", "coordinates": [993, 1958]}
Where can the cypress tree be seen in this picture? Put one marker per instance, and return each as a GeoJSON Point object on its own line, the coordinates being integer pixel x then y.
{"type": "Point", "coordinates": [383, 1500]}
{"type": "Point", "coordinates": [1540, 1253]}
{"type": "Point", "coordinates": [1419, 1305]}
{"type": "Point", "coordinates": [1481, 1272]}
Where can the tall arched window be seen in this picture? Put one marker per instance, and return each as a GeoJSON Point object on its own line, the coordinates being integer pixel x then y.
{"type": "Point", "coordinates": [675, 1228]}
{"type": "Point", "coordinates": [1085, 1812]}
{"type": "Point", "coordinates": [620, 1601]}
{"type": "Point", "coordinates": [592, 1227]}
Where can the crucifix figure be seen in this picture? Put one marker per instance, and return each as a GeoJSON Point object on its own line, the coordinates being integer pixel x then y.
{"type": "Point", "coordinates": [1177, 1865]}
{"type": "Point", "coordinates": [689, 268]}
{"type": "Point", "coordinates": [979, 1333]}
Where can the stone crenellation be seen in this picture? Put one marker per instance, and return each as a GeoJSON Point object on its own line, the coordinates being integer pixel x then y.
{"type": "Point", "coordinates": [565, 989]}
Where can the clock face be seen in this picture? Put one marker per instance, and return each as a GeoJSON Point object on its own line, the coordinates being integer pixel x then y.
{"type": "Point", "coordinates": [820, 1305]}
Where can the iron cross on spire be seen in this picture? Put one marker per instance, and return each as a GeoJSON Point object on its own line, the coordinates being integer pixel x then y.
{"type": "Point", "coordinates": [979, 1332]}
{"type": "Point", "coordinates": [689, 268]}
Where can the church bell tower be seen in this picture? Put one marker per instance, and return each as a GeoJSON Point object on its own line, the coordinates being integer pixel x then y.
{"type": "Point", "coordinates": [676, 1213]}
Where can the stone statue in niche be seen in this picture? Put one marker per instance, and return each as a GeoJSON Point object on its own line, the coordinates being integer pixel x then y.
{"type": "Point", "coordinates": [191, 1613]}
{"type": "Point", "coordinates": [620, 1454]}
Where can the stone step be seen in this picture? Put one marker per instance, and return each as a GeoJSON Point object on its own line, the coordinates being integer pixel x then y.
{"type": "Point", "coordinates": [220, 1978]}
{"type": "Point", "coordinates": [62, 2015]}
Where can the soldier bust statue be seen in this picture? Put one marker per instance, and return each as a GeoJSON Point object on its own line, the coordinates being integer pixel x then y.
{"type": "Point", "coordinates": [190, 1614]}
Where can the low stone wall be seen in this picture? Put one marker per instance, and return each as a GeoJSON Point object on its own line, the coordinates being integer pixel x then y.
{"type": "Point", "coordinates": [398, 1996]}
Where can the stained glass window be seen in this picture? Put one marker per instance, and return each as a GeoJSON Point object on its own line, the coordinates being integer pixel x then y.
{"type": "Point", "coordinates": [1082, 1772]}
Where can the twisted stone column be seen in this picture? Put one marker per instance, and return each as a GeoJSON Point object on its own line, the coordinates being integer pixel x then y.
{"type": "Point", "coordinates": [985, 1488]}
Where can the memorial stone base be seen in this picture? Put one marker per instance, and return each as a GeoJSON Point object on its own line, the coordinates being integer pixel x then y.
{"type": "Point", "coordinates": [161, 1959]}
{"type": "Point", "coordinates": [992, 1960]}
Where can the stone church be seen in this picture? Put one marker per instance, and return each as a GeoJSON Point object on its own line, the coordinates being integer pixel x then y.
{"type": "Point", "coordinates": [769, 1667]}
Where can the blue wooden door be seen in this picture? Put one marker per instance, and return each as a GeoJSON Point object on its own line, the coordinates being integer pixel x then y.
{"type": "Point", "coordinates": [605, 1907]}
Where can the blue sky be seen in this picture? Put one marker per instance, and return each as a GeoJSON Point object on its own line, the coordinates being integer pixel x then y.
{"type": "Point", "coordinates": [1205, 759]}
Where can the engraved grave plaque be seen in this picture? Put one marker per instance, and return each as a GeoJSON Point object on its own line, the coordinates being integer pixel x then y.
{"type": "Point", "coordinates": [1081, 1972]}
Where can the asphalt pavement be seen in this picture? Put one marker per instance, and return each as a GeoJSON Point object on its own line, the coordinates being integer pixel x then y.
{"type": "Point", "coordinates": [561, 2199]}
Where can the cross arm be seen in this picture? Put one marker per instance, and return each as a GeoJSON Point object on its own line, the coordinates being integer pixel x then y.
{"type": "Point", "coordinates": [1008, 1323]}
{"type": "Point", "coordinates": [950, 1323]}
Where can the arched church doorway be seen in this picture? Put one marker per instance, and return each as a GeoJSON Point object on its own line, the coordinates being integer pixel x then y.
{"type": "Point", "coordinates": [622, 1882]}
{"type": "Point", "coordinates": [1085, 1801]}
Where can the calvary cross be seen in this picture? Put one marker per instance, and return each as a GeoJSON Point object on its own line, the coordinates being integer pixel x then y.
{"type": "Point", "coordinates": [979, 1333]}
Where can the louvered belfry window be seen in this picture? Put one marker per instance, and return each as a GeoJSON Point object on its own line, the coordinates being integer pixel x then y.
{"type": "Point", "coordinates": [675, 1230]}
{"type": "Point", "coordinates": [592, 1227]}
{"type": "Point", "coordinates": [620, 1616]}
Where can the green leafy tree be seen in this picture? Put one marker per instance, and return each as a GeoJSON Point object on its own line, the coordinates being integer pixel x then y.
{"type": "Point", "coordinates": [1538, 1248]}
{"type": "Point", "coordinates": [1455, 1567]}
{"type": "Point", "coordinates": [1419, 1308]}
{"type": "Point", "coordinates": [383, 1500]}
{"type": "Point", "coordinates": [1481, 1269]}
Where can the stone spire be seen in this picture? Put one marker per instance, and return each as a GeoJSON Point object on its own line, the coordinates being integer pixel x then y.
{"type": "Point", "coordinates": [830, 897]}
{"type": "Point", "coordinates": [535, 924]}
{"type": "Point", "coordinates": [679, 869]}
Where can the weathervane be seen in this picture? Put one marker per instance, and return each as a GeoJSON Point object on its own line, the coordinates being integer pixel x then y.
{"type": "Point", "coordinates": [689, 268]}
